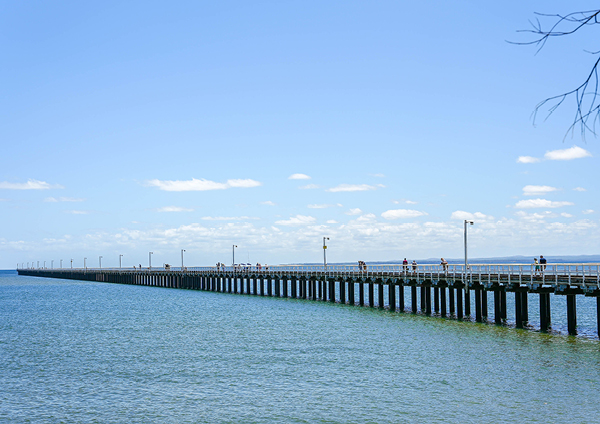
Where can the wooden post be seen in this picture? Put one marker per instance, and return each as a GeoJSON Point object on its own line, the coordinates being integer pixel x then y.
{"type": "Point", "coordinates": [572, 314]}
{"type": "Point", "coordinates": [443, 301]}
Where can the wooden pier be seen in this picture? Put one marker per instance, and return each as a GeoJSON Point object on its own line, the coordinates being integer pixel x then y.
{"type": "Point", "coordinates": [455, 289]}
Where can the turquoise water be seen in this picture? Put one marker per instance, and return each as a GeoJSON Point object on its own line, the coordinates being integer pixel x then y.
{"type": "Point", "coordinates": [91, 352]}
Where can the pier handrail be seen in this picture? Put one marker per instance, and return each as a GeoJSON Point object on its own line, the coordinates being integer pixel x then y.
{"type": "Point", "coordinates": [583, 274]}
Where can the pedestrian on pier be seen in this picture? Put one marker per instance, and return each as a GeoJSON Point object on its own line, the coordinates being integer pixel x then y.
{"type": "Point", "coordinates": [543, 263]}
{"type": "Point", "coordinates": [537, 266]}
{"type": "Point", "coordinates": [405, 265]}
{"type": "Point", "coordinates": [414, 265]}
{"type": "Point", "coordinates": [444, 265]}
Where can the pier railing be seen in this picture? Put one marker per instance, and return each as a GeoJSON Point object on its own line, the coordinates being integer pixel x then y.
{"type": "Point", "coordinates": [551, 274]}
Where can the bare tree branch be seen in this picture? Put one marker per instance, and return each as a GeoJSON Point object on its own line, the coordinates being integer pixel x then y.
{"type": "Point", "coordinates": [587, 107]}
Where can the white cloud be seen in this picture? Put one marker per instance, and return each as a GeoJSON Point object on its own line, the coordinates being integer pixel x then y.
{"type": "Point", "coordinates": [354, 187]}
{"type": "Point", "coordinates": [527, 159]}
{"type": "Point", "coordinates": [78, 212]}
{"type": "Point", "coordinates": [268, 203]}
{"type": "Point", "coordinates": [462, 215]}
{"type": "Point", "coordinates": [566, 215]}
{"type": "Point", "coordinates": [536, 190]}
{"type": "Point", "coordinates": [174, 209]}
{"type": "Point", "coordinates": [408, 202]}
{"type": "Point", "coordinates": [297, 220]}
{"type": "Point", "coordinates": [354, 211]}
{"type": "Point", "coordinates": [402, 213]}
{"type": "Point", "coordinates": [298, 177]}
{"type": "Point", "coordinates": [324, 206]}
{"type": "Point", "coordinates": [309, 187]}
{"type": "Point", "coordinates": [579, 189]}
{"type": "Point", "coordinates": [228, 218]}
{"type": "Point", "coordinates": [378, 175]}
{"type": "Point", "coordinates": [201, 184]}
{"type": "Point", "coordinates": [574, 152]}
{"type": "Point", "coordinates": [62, 199]}
{"type": "Point", "coordinates": [587, 211]}
{"type": "Point", "coordinates": [29, 185]}
{"type": "Point", "coordinates": [540, 203]}
{"type": "Point", "coordinates": [331, 221]}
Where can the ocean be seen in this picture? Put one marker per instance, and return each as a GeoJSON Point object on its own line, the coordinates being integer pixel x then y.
{"type": "Point", "coordinates": [74, 351]}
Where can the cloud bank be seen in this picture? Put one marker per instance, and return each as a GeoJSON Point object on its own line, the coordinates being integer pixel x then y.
{"type": "Point", "coordinates": [201, 184]}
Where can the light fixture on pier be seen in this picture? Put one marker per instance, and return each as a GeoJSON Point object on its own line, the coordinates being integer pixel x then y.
{"type": "Point", "coordinates": [467, 222]}
{"type": "Point", "coordinates": [150, 260]}
{"type": "Point", "coordinates": [182, 250]}
{"type": "Point", "coordinates": [233, 249]}
{"type": "Point", "coordinates": [120, 256]}
{"type": "Point", "coordinates": [325, 252]}
{"type": "Point", "coordinates": [100, 262]}
{"type": "Point", "coordinates": [84, 265]}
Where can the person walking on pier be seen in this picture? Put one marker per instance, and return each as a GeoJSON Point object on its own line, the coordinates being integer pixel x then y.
{"type": "Point", "coordinates": [405, 265]}
{"type": "Point", "coordinates": [444, 265]}
{"type": "Point", "coordinates": [537, 266]}
{"type": "Point", "coordinates": [543, 263]}
{"type": "Point", "coordinates": [414, 265]}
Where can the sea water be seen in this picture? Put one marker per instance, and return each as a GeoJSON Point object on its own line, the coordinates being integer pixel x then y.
{"type": "Point", "coordinates": [73, 351]}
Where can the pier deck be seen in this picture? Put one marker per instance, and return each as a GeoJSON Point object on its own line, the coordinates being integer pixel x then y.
{"type": "Point", "coordinates": [454, 286]}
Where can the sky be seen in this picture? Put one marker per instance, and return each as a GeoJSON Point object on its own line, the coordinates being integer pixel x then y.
{"type": "Point", "coordinates": [136, 127]}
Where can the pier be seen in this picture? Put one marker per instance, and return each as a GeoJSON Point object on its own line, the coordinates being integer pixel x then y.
{"type": "Point", "coordinates": [451, 291]}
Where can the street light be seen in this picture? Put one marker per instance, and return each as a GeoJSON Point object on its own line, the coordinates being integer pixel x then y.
{"type": "Point", "coordinates": [150, 260]}
{"type": "Point", "coordinates": [61, 264]}
{"type": "Point", "coordinates": [182, 250]}
{"type": "Point", "coordinates": [233, 249]}
{"type": "Point", "coordinates": [44, 265]}
{"type": "Point", "coordinates": [325, 252]}
{"type": "Point", "coordinates": [71, 263]}
{"type": "Point", "coordinates": [52, 264]}
{"type": "Point", "coordinates": [38, 264]}
{"type": "Point", "coordinates": [120, 256]}
{"type": "Point", "coordinates": [100, 261]}
{"type": "Point", "coordinates": [466, 260]}
{"type": "Point", "coordinates": [84, 265]}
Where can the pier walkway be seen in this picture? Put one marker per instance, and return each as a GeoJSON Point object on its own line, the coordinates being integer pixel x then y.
{"type": "Point", "coordinates": [448, 292]}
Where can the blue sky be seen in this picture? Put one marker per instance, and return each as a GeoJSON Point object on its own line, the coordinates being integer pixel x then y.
{"type": "Point", "coordinates": [153, 126]}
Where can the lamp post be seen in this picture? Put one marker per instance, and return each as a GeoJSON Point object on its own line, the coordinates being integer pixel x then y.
{"type": "Point", "coordinates": [44, 265]}
{"type": "Point", "coordinates": [71, 263]}
{"type": "Point", "coordinates": [233, 249]}
{"type": "Point", "coordinates": [467, 222]}
{"type": "Point", "coordinates": [38, 264]}
{"type": "Point", "coordinates": [100, 262]}
{"type": "Point", "coordinates": [325, 252]}
{"type": "Point", "coordinates": [182, 250]}
{"type": "Point", "coordinates": [61, 264]}
{"type": "Point", "coordinates": [120, 256]}
{"type": "Point", "coordinates": [150, 260]}
{"type": "Point", "coordinates": [84, 265]}
{"type": "Point", "coordinates": [52, 264]}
